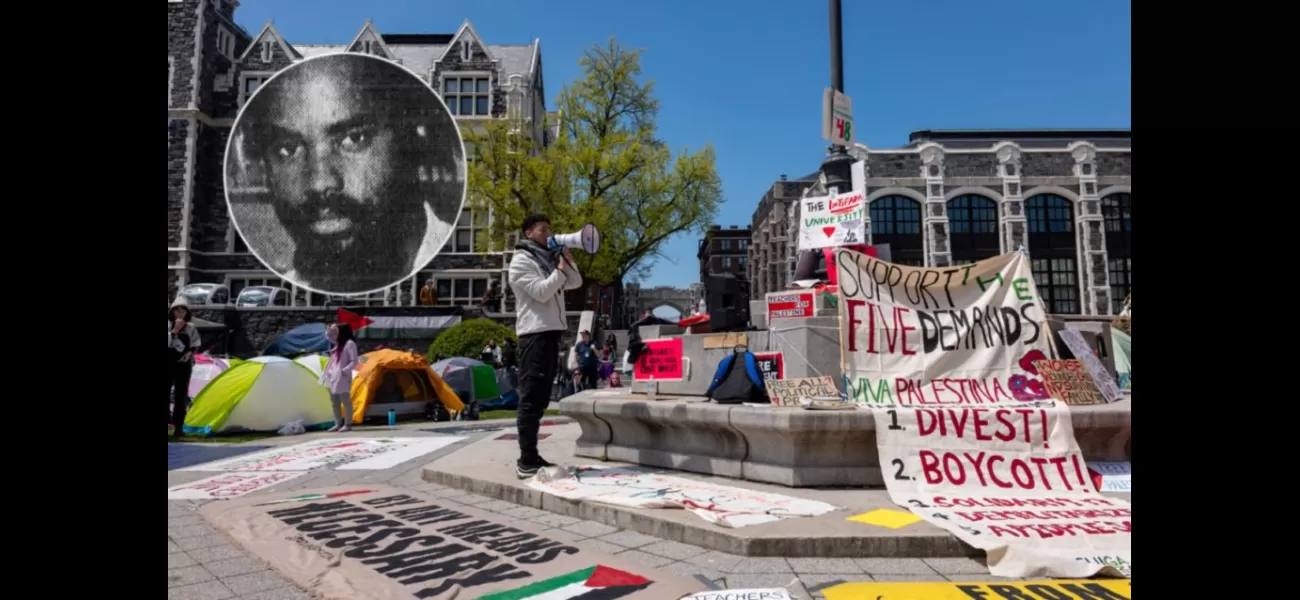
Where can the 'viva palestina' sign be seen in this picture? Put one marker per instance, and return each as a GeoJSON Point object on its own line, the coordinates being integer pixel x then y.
{"type": "Point", "coordinates": [1009, 480]}
{"type": "Point", "coordinates": [950, 335]}
{"type": "Point", "coordinates": [828, 221]}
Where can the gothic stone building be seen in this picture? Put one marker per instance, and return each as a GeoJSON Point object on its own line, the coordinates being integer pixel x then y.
{"type": "Point", "coordinates": [213, 66]}
{"type": "Point", "coordinates": [771, 248]}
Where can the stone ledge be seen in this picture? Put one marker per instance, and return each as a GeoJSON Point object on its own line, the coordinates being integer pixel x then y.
{"type": "Point", "coordinates": [790, 447]}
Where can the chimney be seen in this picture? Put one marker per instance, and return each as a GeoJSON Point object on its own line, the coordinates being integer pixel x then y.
{"type": "Point", "coordinates": [783, 177]}
{"type": "Point", "coordinates": [735, 227]}
{"type": "Point", "coordinates": [716, 227]}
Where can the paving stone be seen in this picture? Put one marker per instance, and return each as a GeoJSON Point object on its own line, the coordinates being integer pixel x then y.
{"type": "Point", "coordinates": [673, 550]}
{"type": "Point", "coordinates": [690, 569]}
{"type": "Point", "coordinates": [187, 576]}
{"type": "Point", "coordinates": [986, 577]}
{"type": "Point", "coordinates": [233, 566]}
{"type": "Point", "coordinates": [284, 593]}
{"type": "Point", "coordinates": [553, 520]}
{"type": "Point", "coordinates": [215, 553]}
{"type": "Point", "coordinates": [561, 535]}
{"type": "Point", "coordinates": [187, 531]}
{"type": "Point", "coordinates": [764, 564]}
{"type": "Point", "coordinates": [958, 566]}
{"type": "Point", "coordinates": [184, 521]}
{"type": "Point", "coordinates": [630, 539]}
{"type": "Point", "coordinates": [179, 509]}
{"type": "Point", "coordinates": [429, 488]}
{"type": "Point", "coordinates": [172, 547]}
{"type": "Point", "coordinates": [895, 566]}
{"type": "Point", "coordinates": [448, 493]}
{"type": "Point", "coordinates": [814, 584]}
{"type": "Point", "coordinates": [498, 506]}
{"type": "Point", "coordinates": [255, 582]}
{"type": "Point", "coordinates": [935, 577]}
{"type": "Point", "coordinates": [524, 512]}
{"type": "Point", "coordinates": [764, 580]}
{"type": "Point", "coordinates": [643, 558]}
{"type": "Point", "coordinates": [208, 590]}
{"type": "Point", "coordinates": [718, 561]}
{"type": "Point", "coordinates": [178, 560]}
{"type": "Point", "coordinates": [599, 546]}
{"type": "Point", "coordinates": [824, 565]}
{"type": "Point", "coordinates": [589, 529]}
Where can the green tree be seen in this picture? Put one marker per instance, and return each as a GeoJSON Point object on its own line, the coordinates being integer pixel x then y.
{"type": "Point", "coordinates": [606, 166]}
{"type": "Point", "coordinates": [468, 338]}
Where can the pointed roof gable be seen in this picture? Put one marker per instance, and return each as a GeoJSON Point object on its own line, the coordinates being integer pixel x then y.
{"type": "Point", "coordinates": [368, 33]}
{"type": "Point", "coordinates": [466, 32]}
{"type": "Point", "coordinates": [269, 34]}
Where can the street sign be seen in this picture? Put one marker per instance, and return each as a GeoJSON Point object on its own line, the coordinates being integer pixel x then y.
{"type": "Point", "coordinates": [837, 118]}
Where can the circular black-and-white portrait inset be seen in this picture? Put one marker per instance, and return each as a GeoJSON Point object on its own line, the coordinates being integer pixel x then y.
{"type": "Point", "coordinates": [345, 174]}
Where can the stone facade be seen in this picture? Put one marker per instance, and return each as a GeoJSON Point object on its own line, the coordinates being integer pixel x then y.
{"type": "Point", "coordinates": [771, 247]}
{"type": "Point", "coordinates": [638, 300]}
{"type": "Point", "coordinates": [213, 64]}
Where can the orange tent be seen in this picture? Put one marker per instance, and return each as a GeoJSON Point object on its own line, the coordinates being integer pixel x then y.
{"type": "Point", "coordinates": [401, 381]}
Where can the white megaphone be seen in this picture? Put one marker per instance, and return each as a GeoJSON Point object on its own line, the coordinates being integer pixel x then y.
{"type": "Point", "coordinates": [587, 238]}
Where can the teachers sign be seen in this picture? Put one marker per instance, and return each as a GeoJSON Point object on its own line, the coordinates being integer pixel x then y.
{"type": "Point", "coordinates": [950, 335]}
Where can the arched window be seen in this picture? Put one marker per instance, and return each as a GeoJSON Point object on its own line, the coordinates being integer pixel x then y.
{"type": "Point", "coordinates": [1053, 252]}
{"type": "Point", "coordinates": [1117, 210]}
{"type": "Point", "coordinates": [973, 222]}
{"type": "Point", "coordinates": [896, 220]}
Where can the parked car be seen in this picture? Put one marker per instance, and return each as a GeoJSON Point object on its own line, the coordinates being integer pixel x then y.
{"type": "Point", "coordinates": [197, 294]}
{"type": "Point", "coordinates": [262, 295]}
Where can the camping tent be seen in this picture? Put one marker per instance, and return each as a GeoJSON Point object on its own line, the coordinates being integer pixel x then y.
{"type": "Point", "coordinates": [299, 340]}
{"type": "Point", "coordinates": [206, 368]}
{"type": "Point", "coordinates": [261, 394]}
{"type": "Point", "coordinates": [1123, 344]}
{"type": "Point", "coordinates": [400, 381]}
{"type": "Point", "coordinates": [314, 362]}
{"type": "Point", "coordinates": [475, 380]}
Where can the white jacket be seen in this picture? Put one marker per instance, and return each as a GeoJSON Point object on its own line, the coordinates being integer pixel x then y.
{"type": "Point", "coordinates": [539, 300]}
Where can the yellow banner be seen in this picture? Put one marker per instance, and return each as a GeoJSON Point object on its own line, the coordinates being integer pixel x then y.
{"type": "Point", "coordinates": [1058, 589]}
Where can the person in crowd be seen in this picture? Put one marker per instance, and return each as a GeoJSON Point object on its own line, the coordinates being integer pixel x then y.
{"type": "Point", "coordinates": [510, 360]}
{"type": "Point", "coordinates": [491, 354]}
{"type": "Point", "coordinates": [615, 380]}
{"type": "Point", "coordinates": [538, 277]}
{"type": "Point", "coordinates": [182, 344]}
{"type": "Point", "coordinates": [429, 293]}
{"type": "Point", "coordinates": [588, 360]}
{"type": "Point", "coordinates": [337, 375]}
{"type": "Point", "coordinates": [611, 343]}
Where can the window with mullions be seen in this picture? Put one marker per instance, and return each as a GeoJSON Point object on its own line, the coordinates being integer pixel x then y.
{"type": "Point", "coordinates": [1058, 283]}
{"type": "Point", "coordinates": [896, 220]}
{"type": "Point", "coordinates": [1117, 211]}
{"type": "Point", "coordinates": [1121, 274]}
{"type": "Point", "coordinates": [973, 223]}
{"type": "Point", "coordinates": [461, 291]}
{"type": "Point", "coordinates": [467, 96]}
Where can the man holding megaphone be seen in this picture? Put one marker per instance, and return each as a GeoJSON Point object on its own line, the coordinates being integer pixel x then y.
{"type": "Point", "coordinates": [541, 270]}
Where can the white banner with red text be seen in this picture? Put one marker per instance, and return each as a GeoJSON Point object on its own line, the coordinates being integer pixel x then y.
{"type": "Point", "coordinates": [1009, 480]}
{"type": "Point", "coordinates": [944, 335]}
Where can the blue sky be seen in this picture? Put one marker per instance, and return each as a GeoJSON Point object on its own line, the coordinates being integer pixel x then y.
{"type": "Point", "coordinates": [747, 76]}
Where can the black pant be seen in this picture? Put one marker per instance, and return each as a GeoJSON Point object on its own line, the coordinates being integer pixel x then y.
{"type": "Point", "coordinates": [589, 378]}
{"type": "Point", "coordinates": [536, 372]}
{"type": "Point", "coordinates": [180, 384]}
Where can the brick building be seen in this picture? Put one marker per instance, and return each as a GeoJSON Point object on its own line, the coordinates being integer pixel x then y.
{"type": "Point", "coordinates": [213, 65]}
{"type": "Point", "coordinates": [953, 197]}
{"type": "Point", "coordinates": [772, 247]}
{"type": "Point", "coordinates": [724, 251]}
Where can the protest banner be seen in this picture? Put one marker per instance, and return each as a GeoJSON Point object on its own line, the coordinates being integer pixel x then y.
{"type": "Point", "coordinates": [771, 365]}
{"type": "Point", "coordinates": [718, 504]}
{"type": "Point", "coordinates": [661, 361]}
{"type": "Point", "coordinates": [747, 594]}
{"type": "Point", "coordinates": [1067, 381]}
{"type": "Point", "coordinates": [229, 485]}
{"type": "Point", "coordinates": [789, 392]}
{"type": "Point", "coordinates": [1114, 476]}
{"type": "Point", "coordinates": [348, 454]}
{"type": "Point", "coordinates": [381, 542]}
{"type": "Point", "coordinates": [790, 305]}
{"type": "Point", "coordinates": [1009, 480]}
{"type": "Point", "coordinates": [951, 335]}
{"type": "Point", "coordinates": [832, 220]}
{"type": "Point", "coordinates": [1083, 353]}
{"type": "Point", "coordinates": [1078, 589]}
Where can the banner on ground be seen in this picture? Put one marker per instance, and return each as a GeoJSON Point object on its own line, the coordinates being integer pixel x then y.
{"type": "Point", "coordinates": [1007, 480]}
{"type": "Point", "coordinates": [950, 335]}
{"type": "Point", "coordinates": [381, 542]}
{"type": "Point", "coordinates": [224, 486]}
{"type": "Point", "coordinates": [832, 220]}
{"type": "Point", "coordinates": [348, 454]}
{"type": "Point", "coordinates": [718, 504]}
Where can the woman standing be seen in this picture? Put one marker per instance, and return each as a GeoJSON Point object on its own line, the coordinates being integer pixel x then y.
{"type": "Point", "coordinates": [182, 343]}
{"type": "Point", "coordinates": [337, 375]}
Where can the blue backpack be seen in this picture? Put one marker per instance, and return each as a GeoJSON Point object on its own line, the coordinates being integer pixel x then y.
{"type": "Point", "coordinates": [737, 386]}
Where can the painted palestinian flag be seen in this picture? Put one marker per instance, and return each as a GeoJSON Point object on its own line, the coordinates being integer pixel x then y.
{"type": "Point", "coordinates": [593, 583]}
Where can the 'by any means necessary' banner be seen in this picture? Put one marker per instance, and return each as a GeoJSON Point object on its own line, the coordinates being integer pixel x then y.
{"type": "Point", "coordinates": [384, 543]}
{"type": "Point", "coordinates": [1009, 480]}
{"type": "Point", "coordinates": [952, 335]}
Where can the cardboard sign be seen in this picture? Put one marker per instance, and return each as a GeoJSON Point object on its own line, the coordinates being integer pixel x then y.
{"type": "Point", "coordinates": [1083, 352]}
{"type": "Point", "coordinates": [1100, 589]}
{"type": "Point", "coordinates": [661, 361]}
{"type": "Point", "coordinates": [796, 305]}
{"type": "Point", "coordinates": [725, 340]}
{"type": "Point", "coordinates": [1069, 382]}
{"type": "Point", "coordinates": [832, 220]}
{"type": "Point", "coordinates": [380, 542]}
{"type": "Point", "coordinates": [751, 594]}
{"type": "Point", "coordinates": [789, 392]}
{"type": "Point", "coordinates": [1112, 476]}
{"type": "Point", "coordinates": [229, 485]}
{"type": "Point", "coordinates": [770, 364]}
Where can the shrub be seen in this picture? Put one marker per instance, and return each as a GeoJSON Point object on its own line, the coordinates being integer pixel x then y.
{"type": "Point", "coordinates": [468, 338]}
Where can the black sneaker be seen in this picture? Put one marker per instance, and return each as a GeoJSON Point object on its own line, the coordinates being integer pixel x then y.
{"type": "Point", "coordinates": [542, 462]}
{"type": "Point", "coordinates": [523, 471]}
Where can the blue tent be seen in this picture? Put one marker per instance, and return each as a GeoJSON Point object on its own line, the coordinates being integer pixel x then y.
{"type": "Point", "coordinates": [299, 340]}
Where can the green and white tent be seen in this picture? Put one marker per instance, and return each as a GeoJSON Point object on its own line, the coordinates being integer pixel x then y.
{"type": "Point", "coordinates": [262, 394]}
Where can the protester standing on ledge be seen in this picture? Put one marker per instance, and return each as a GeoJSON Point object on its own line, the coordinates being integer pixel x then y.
{"type": "Point", "coordinates": [337, 375]}
{"type": "Point", "coordinates": [182, 344]}
{"type": "Point", "coordinates": [538, 276]}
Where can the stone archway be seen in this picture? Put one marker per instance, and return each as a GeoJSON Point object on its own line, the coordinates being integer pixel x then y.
{"type": "Point", "coordinates": [640, 299]}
